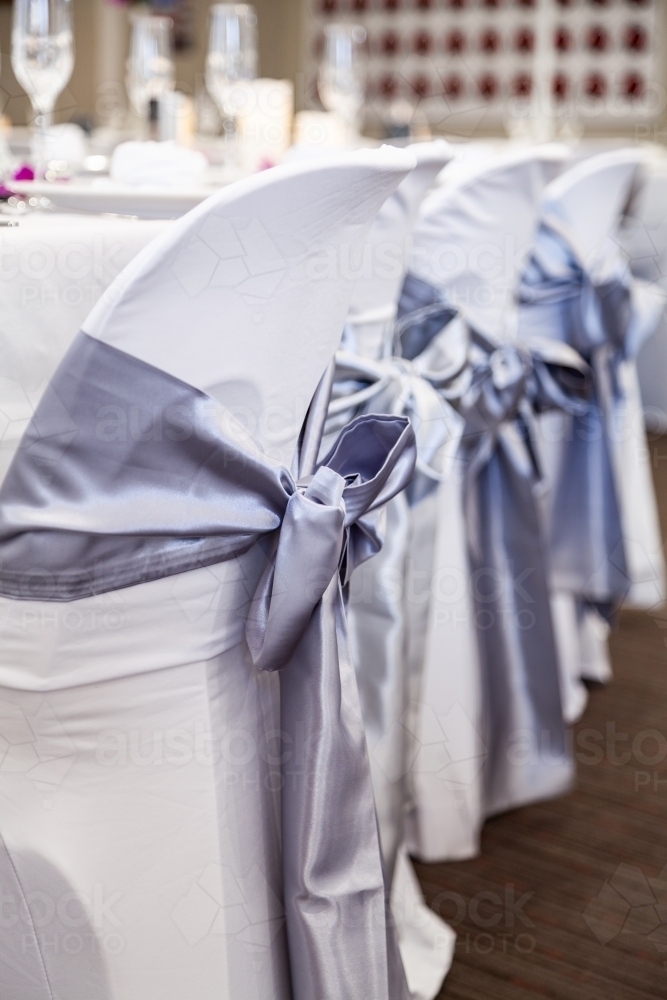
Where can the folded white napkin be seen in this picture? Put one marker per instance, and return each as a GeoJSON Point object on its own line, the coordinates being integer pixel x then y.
{"type": "Point", "coordinates": [67, 143]}
{"type": "Point", "coordinates": [157, 164]}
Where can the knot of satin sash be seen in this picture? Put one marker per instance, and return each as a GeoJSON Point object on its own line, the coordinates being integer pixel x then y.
{"type": "Point", "coordinates": [327, 529]}
{"type": "Point", "coordinates": [397, 386]}
{"type": "Point", "coordinates": [497, 411]}
{"type": "Point", "coordinates": [498, 388]}
{"type": "Point", "coordinates": [601, 308]}
{"type": "Point", "coordinates": [491, 384]}
{"type": "Point", "coordinates": [509, 384]}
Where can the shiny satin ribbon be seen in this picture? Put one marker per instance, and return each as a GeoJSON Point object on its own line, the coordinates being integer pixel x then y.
{"type": "Point", "coordinates": [383, 633]}
{"type": "Point", "coordinates": [399, 387]}
{"type": "Point", "coordinates": [127, 475]}
{"type": "Point", "coordinates": [605, 314]}
{"type": "Point", "coordinates": [422, 314]}
{"type": "Point", "coordinates": [507, 384]}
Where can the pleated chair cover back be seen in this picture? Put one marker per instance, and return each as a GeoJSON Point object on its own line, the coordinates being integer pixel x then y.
{"type": "Point", "coordinates": [144, 774]}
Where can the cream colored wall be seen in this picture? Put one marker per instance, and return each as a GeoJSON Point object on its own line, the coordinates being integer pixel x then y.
{"type": "Point", "coordinates": [279, 24]}
{"type": "Point", "coordinates": [101, 42]}
{"type": "Point", "coordinates": [80, 95]}
{"type": "Point", "coordinates": [281, 50]}
{"type": "Point", "coordinates": [101, 35]}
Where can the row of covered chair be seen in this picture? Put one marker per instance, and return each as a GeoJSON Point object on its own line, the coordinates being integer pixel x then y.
{"type": "Point", "coordinates": [319, 627]}
{"type": "Point", "coordinates": [531, 516]}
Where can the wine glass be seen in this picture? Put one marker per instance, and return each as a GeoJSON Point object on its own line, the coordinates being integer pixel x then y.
{"type": "Point", "coordinates": [341, 81]}
{"type": "Point", "coordinates": [42, 59]}
{"type": "Point", "coordinates": [150, 68]}
{"type": "Point", "coordinates": [232, 57]}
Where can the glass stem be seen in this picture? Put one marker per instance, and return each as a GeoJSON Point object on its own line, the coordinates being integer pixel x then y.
{"type": "Point", "coordinates": [43, 123]}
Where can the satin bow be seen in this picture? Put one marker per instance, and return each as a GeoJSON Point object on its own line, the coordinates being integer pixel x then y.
{"type": "Point", "coordinates": [506, 384]}
{"type": "Point", "coordinates": [605, 314]}
{"type": "Point", "coordinates": [427, 372]}
{"type": "Point", "coordinates": [602, 306]}
{"type": "Point", "coordinates": [397, 387]}
{"type": "Point", "coordinates": [127, 475]}
{"type": "Point", "coordinates": [327, 526]}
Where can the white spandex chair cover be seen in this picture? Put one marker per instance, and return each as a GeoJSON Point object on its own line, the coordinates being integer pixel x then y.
{"type": "Point", "coordinates": [582, 214]}
{"type": "Point", "coordinates": [140, 767]}
{"type": "Point", "coordinates": [372, 311]}
{"type": "Point", "coordinates": [377, 627]}
{"type": "Point", "coordinates": [470, 242]}
{"type": "Point", "coordinates": [644, 239]}
{"type": "Point", "coordinates": [475, 230]}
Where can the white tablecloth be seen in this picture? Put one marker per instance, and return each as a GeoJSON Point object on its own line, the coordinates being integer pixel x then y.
{"type": "Point", "coordinates": [53, 269]}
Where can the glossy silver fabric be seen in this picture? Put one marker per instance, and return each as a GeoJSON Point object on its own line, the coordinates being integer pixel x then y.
{"type": "Point", "coordinates": [386, 615]}
{"type": "Point", "coordinates": [127, 475]}
{"type": "Point", "coordinates": [524, 732]}
{"type": "Point", "coordinates": [523, 728]}
{"type": "Point", "coordinates": [606, 319]}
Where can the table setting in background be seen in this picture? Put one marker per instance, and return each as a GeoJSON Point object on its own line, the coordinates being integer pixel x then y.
{"type": "Point", "coordinates": [165, 161]}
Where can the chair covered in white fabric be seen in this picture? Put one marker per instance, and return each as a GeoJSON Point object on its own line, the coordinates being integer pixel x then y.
{"type": "Point", "coordinates": [604, 534]}
{"type": "Point", "coordinates": [644, 239]}
{"type": "Point", "coordinates": [470, 242]}
{"type": "Point", "coordinates": [372, 313]}
{"type": "Point", "coordinates": [145, 761]}
{"type": "Point", "coordinates": [376, 618]}
{"type": "Point", "coordinates": [475, 230]}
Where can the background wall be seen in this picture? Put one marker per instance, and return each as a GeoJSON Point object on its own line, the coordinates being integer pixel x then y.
{"type": "Point", "coordinates": [97, 91]}
{"type": "Point", "coordinates": [101, 37]}
{"type": "Point", "coordinates": [80, 95]}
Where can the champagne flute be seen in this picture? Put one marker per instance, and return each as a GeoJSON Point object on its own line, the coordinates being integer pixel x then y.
{"type": "Point", "coordinates": [150, 68]}
{"type": "Point", "coordinates": [341, 81]}
{"type": "Point", "coordinates": [42, 60]}
{"type": "Point", "coordinates": [232, 57]}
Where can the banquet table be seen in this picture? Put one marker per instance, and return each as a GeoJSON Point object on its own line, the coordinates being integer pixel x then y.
{"type": "Point", "coordinates": [53, 269]}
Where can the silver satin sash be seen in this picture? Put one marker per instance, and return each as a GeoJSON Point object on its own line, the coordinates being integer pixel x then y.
{"type": "Point", "coordinates": [422, 314]}
{"type": "Point", "coordinates": [528, 757]}
{"type": "Point", "coordinates": [126, 475]}
{"type": "Point", "coordinates": [386, 638]}
{"type": "Point", "coordinates": [605, 315]}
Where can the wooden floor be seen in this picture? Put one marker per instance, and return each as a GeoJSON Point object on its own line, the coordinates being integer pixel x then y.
{"type": "Point", "coordinates": [594, 865]}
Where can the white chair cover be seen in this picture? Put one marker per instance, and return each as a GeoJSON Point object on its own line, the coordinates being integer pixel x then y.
{"type": "Point", "coordinates": [372, 313]}
{"type": "Point", "coordinates": [142, 764]}
{"type": "Point", "coordinates": [644, 239]}
{"type": "Point", "coordinates": [474, 233]}
{"type": "Point", "coordinates": [378, 635]}
{"type": "Point", "coordinates": [470, 242]}
{"type": "Point", "coordinates": [578, 289]}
